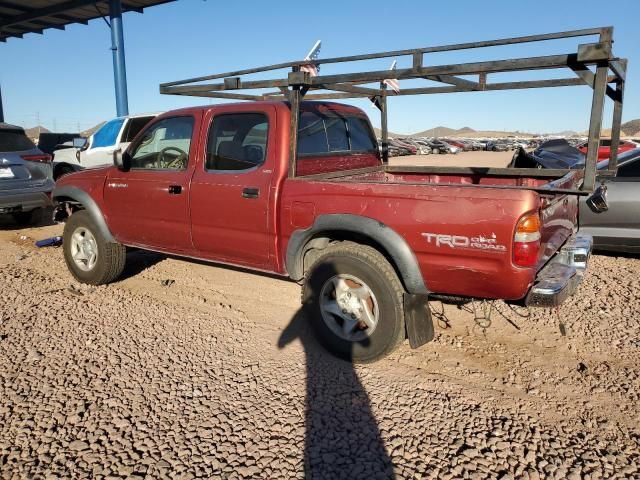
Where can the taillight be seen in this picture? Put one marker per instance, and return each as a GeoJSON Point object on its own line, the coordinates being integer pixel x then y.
{"type": "Point", "coordinates": [526, 240]}
{"type": "Point", "coordinates": [39, 157]}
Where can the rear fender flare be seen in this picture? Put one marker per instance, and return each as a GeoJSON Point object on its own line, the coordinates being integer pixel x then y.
{"type": "Point", "coordinates": [395, 246]}
{"type": "Point", "coordinates": [78, 195]}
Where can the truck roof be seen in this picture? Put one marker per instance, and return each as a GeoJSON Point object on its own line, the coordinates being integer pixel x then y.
{"type": "Point", "coordinates": [305, 106]}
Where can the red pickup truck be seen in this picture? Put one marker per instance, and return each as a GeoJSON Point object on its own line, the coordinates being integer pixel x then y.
{"type": "Point", "coordinates": [369, 242]}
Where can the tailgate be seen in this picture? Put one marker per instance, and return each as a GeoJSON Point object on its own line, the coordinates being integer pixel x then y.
{"type": "Point", "coordinates": [558, 216]}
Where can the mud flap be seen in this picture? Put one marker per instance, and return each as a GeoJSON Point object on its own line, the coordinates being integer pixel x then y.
{"type": "Point", "coordinates": [417, 318]}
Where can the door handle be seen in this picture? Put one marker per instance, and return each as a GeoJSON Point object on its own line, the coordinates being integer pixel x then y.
{"type": "Point", "coordinates": [175, 189]}
{"type": "Point", "coordinates": [250, 192]}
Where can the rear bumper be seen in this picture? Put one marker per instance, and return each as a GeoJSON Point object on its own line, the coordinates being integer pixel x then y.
{"type": "Point", "coordinates": [23, 202]}
{"type": "Point", "coordinates": [560, 277]}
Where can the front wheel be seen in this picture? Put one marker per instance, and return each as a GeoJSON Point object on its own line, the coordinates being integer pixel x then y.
{"type": "Point", "coordinates": [354, 300]}
{"type": "Point", "coordinates": [89, 257]}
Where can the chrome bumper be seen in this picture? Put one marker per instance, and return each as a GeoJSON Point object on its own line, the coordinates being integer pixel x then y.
{"type": "Point", "coordinates": [559, 278]}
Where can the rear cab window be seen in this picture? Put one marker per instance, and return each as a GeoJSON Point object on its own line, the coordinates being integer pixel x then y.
{"type": "Point", "coordinates": [333, 140]}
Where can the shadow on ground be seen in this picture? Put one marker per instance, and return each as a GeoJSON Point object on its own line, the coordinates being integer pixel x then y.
{"type": "Point", "coordinates": [39, 218]}
{"type": "Point", "coordinates": [138, 261]}
{"type": "Point", "coordinates": [342, 438]}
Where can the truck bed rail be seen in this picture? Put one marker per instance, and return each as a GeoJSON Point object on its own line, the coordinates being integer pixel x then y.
{"type": "Point", "coordinates": [592, 64]}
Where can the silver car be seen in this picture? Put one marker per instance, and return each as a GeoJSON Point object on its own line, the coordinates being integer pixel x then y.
{"type": "Point", "coordinates": [618, 228]}
{"type": "Point", "coordinates": [26, 175]}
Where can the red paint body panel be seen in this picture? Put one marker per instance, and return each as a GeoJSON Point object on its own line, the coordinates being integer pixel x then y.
{"type": "Point", "coordinates": [436, 214]}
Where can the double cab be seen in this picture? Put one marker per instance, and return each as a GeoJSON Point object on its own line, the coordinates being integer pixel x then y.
{"type": "Point", "coordinates": [369, 242]}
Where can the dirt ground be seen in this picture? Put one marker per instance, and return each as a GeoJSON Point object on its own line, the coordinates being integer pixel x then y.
{"type": "Point", "coordinates": [187, 370]}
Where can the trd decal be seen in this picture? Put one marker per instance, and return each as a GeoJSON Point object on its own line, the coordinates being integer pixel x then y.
{"type": "Point", "coordinates": [460, 241]}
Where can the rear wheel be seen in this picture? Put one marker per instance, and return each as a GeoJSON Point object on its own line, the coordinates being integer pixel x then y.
{"type": "Point", "coordinates": [436, 151]}
{"type": "Point", "coordinates": [354, 300]}
{"type": "Point", "coordinates": [89, 257]}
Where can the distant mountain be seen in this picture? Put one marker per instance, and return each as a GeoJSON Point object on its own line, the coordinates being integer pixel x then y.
{"type": "Point", "coordinates": [378, 133]}
{"type": "Point", "coordinates": [35, 132]}
{"type": "Point", "coordinates": [90, 131]}
{"type": "Point", "coordinates": [439, 132]}
{"type": "Point", "coordinates": [632, 127]}
{"type": "Point", "coordinates": [566, 133]}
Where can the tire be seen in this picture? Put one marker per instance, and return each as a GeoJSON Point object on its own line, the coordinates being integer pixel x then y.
{"type": "Point", "coordinates": [27, 218]}
{"type": "Point", "coordinates": [109, 260]}
{"type": "Point", "coordinates": [355, 266]}
{"type": "Point", "coordinates": [436, 151]}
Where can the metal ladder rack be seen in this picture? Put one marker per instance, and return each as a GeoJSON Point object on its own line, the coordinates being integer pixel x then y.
{"type": "Point", "coordinates": [606, 77]}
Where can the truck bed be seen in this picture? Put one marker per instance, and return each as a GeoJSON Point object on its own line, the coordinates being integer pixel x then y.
{"type": "Point", "coordinates": [557, 181]}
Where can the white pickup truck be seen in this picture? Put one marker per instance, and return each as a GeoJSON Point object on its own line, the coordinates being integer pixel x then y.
{"type": "Point", "coordinates": [97, 150]}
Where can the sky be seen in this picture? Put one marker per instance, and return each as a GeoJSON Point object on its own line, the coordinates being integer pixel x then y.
{"type": "Point", "coordinates": [64, 79]}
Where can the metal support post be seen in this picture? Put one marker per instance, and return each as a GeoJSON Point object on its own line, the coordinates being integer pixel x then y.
{"type": "Point", "coordinates": [294, 100]}
{"type": "Point", "coordinates": [595, 127]}
{"type": "Point", "coordinates": [617, 120]}
{"type": "Point", "coordinates": [119, 67]}
{"type": "Point", "coordinates": [383, 123]}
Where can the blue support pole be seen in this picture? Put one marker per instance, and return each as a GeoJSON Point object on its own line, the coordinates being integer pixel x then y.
{"type": "Point", "coordinates": [119, 67]}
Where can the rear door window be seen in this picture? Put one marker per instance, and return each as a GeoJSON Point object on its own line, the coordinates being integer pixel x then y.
{"type": "Point", "coordinates": [237, 141]}
{"type": "Point", "coordinates": [14, 141]}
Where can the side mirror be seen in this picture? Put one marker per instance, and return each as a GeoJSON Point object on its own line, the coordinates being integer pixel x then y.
{"type": "Point", "coordinates": [121, 160]}
{"type": "Point", "coordinates": [79, 142]}
{"type": "Point", "coordinates": [598, 201]}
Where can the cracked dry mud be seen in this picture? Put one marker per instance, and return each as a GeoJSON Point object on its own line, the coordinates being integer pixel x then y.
{"type": "Point", "coordinates": [214, 375]}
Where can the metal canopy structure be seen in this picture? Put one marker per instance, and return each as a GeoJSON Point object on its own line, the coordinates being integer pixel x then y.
{"type": "Point", "coordinates": [19, 17]}
{"type": "Point", "coordinates": [593, 64]}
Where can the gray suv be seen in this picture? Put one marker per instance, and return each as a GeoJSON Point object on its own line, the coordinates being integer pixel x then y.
{"type": "Point", "coordinates": [26, 175]}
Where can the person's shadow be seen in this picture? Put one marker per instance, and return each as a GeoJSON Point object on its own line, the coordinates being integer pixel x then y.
{"type": "Point", "coordinates": [342, 439]}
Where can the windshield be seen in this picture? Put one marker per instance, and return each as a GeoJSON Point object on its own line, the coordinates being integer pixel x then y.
{"type": "Point", "coordinates": [108, 134]}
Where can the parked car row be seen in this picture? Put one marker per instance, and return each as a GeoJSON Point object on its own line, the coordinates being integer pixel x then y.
{"type": "Point", "coordinates": [420, 146]}
{"type": "Point", "coordinates": [427, 145]}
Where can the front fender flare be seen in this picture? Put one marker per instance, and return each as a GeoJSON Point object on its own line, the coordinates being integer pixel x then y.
{"type": "Point", "coordinates": [394, 245]}
{"type": "Point", "coordinates": [89, 205]}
